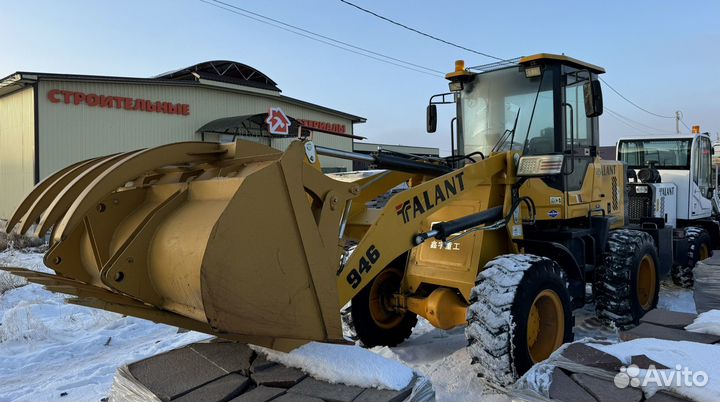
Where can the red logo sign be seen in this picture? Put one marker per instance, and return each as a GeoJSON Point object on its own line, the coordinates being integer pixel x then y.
{"type": "Point", "coordinates": [117, 102]}
{"type": "Point", "coordinates": [278, 122]}
{"type": "Point", "coordinates": [323, 126]}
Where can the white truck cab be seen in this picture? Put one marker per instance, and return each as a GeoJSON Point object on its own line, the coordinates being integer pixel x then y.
{"type": "Point", "coordinates": [683, 162]}
{"type": "Point", "coordinates": [671, 184]}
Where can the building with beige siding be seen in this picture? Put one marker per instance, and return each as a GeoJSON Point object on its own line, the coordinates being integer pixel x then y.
{"type": "Point", "coordinates": [48, 121]}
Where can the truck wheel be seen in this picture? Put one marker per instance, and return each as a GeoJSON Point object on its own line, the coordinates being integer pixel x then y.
{"type": "Point", "coordinates": [699, 248]}
{"type": "Point", "coordinates": [626, 284]}
{"type": "Point", "coordinates": [375, 322]}
{"type": "Point", "coordinates": [519, 314]}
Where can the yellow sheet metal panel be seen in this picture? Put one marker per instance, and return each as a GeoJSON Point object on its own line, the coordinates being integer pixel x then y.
{"type": "Point", "coordinates": [326, 140]}
{"type": "Point", "coordinates": [70, 132]}
{"type": "Point", "coordinates": [562, 59]}
{"type": "Point", "coordinates": [17, 149]}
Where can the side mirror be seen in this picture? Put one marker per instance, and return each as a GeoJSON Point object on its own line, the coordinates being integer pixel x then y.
{"type": "Point", "coordinates": [431, 118]}
{"type": "Point", "coordinates": [593, 98]}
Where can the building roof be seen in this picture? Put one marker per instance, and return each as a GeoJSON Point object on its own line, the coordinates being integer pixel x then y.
{"type": "Point", "coordinates": [224, 71]}
{"type": "Point", "coordinates": [218, 74]}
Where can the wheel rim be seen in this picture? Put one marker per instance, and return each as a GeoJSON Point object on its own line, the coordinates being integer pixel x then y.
{"type": "Point", "coordinates": [646, 282]}
{"type": "Point", "coordinates": [382, 289]}
{"type": "Point", "coordinates": [546, 325]}
{"type": "Point", "coordinates": [704, 252]}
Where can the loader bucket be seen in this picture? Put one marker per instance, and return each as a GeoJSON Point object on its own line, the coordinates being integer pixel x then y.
{"type": "Point", "coordinates": [238, 240]}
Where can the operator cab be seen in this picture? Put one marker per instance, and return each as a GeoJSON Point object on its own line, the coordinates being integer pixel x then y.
{"type": "Point", "coordinates": [545, 106]}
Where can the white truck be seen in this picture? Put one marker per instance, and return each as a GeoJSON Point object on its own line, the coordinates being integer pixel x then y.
{"type": "Point", "coordinates": [672, 184]}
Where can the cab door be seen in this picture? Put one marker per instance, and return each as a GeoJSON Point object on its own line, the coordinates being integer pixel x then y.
{"type": "Point", "coordinates": [701, 178]}
{"type": "Point", "coordinates": [579, 138]}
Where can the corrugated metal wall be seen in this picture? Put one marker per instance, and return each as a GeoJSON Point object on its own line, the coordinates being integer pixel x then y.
{"type": "Point", "coordinates": [69, 133]}
{"type": "Point", "coordinates": [17, 149]}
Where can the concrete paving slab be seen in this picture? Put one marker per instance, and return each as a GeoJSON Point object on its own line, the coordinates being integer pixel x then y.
{"type": "Point", "coordinates": [671, 319]}
{"type": "Point", "coordinates": [261, 362]}
{"type": "Point", "coordinates": [707, 287]}
{"type": "Point", "coordinates": [645, 362]}
{"type": "Point", "coordinates": [296, 398]}
{"type": "Point", "coordinates": [666, 397]}
{"type": "Point", "coordinates": [655, 331]}
{"type": "Point", "coordinates": [326, 391]}
{"type": "Point", "coordinates": [563, 388]}
{"type": "Point", "coordinates": [220, 390]}
{"type": "Point", "coordinates": [385, 395]}
{"type": "Point", "coordinates": [605, 390]}
{"type": "Point", "coordinates": [230, 356]}
{"type": "Point", "coordinates": [278, 376]}
{"type": "Point", "coordinates": [589, 356]}
{"type": "Point", "coordinates": [260, 394]}
{"type": "Point", "coordinates": [174, 373]}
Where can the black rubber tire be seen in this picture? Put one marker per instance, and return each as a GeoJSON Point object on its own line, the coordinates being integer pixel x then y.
{"type": "Point", "coordinates": [615, 283]}
{"type": "Point", "coordinates": [682, 275]}
{"type": "Point", "coordinates": [500, 304]}
{"type": "Point", "coordinates": [368, 331]}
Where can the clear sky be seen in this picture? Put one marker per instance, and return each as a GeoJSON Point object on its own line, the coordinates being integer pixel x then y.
{"type": "Point", "coordinates": [663, 55]}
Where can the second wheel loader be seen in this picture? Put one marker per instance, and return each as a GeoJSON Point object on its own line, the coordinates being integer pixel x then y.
{"type": "Point", "coordinates": [257, 245]}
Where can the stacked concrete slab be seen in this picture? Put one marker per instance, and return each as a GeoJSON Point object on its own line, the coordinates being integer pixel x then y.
{"type": "Point", "coordinates": [230, 372]}
{"type": "Point", "coordinates": [707, 283]}
{"type": "Point", "coordinates": [591, 380]}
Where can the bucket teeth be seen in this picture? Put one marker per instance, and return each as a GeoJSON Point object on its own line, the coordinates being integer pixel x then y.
{"type": "Point", "coordinates": [41, 190]}
{"type": "Point", "coordinates": [67, 195]}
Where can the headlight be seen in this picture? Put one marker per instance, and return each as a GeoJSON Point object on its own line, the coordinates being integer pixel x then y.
{"type": "Point", "coordinates": [641, 189]}
{"type": "Point", "coordinates": [540, 165]}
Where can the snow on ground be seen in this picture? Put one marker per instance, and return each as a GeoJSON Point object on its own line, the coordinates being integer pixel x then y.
{"type": "Point", "coordinates": [675, 298]}
{"type": "Point", "coordinates": [696, 357]}
{"type": "Point", "coordinates": [706, 323]}
{"type": "Point", "coordinates": [442, 357]}
{"type": "Point", "coordinates": [350, 365]}
{"type": "Point", "coordinates": [48, 347]}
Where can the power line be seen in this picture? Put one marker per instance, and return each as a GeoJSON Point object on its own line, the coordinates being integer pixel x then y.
{"type": "Point", "coordinates": [389, 59]}
{"type": "Point", "coordinates": [628, 124]}
{"type": "Point", "coordinates": [322, 38]}
{"type": "Point", "coordinates": [683, 123]}
{"type": "Point", "coordinates": [633, 103]}
{"type": "Point", "coordinates": [365, 10]}
{"type": "Point", "coordinates": [633, 121]}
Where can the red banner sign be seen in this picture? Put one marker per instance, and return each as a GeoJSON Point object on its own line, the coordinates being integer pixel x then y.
{"type": "Point", "coordinates": [117, 102]}
{"type": "Point", "coordinates": [321, 125]}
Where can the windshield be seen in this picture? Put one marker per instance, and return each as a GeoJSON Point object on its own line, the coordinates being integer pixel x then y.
{"type": "Point", "coordinates": [496, 102]}
{"type": "Point", "coordinates": [664, 154]}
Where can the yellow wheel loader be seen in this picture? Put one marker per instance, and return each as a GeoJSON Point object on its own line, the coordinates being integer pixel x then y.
{"type": "Point", "coordinates": [252, 244]}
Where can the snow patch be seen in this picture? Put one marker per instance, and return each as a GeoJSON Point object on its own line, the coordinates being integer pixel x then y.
{"type": "Point", "coordinates": [344, 364]}
{"type": "Point", "coordinates": [455, 379]}
{"type": "Point", "coordinates": [706, 323]}
{"type": "Point", "coordinates": [695, 356]}
{"type": "Point", "coordinates": [48, 347]}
